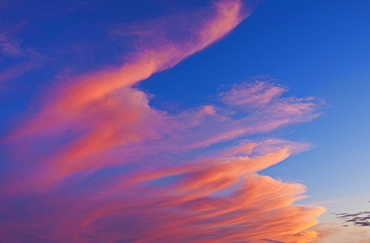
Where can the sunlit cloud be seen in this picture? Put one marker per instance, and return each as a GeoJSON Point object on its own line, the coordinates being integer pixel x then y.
{"type": "Point", "coordinates": [97, 163]}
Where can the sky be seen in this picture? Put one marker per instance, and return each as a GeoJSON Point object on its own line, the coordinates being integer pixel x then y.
{"type": "Point", "coordinates": [184, 121]}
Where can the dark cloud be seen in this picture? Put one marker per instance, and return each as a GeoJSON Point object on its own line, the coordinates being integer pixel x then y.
{"type": "Point", "coordinates": [361, 219]}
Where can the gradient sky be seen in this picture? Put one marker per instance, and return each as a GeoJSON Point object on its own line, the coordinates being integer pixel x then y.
{"type": "Point", "coordinates": [184, 121]}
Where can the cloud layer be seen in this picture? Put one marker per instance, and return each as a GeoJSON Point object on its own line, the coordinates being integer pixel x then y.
{"type": "Point", "coordinates": [97, 163]}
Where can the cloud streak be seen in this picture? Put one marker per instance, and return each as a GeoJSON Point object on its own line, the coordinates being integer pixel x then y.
{"type": "Point", "coordinates": [98, 163]}
{"type": "Point", "coordinates": [357, 219]}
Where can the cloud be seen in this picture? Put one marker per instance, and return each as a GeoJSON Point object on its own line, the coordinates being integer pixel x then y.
{"type": "Point", "coordinates": [9, 47]}
{"type": "Point", "coordinates": [119, 173]}
{"type": "Point", "coordinates": [118, 122]}
{"type": "Point", "coordinates": [97, 163]}
{"type": "Point", "coordinates": [35, 61]}
{"type": "Point", "coordinates": [357, 219]}
{"type": "Point", "coordinates": [16, 59]}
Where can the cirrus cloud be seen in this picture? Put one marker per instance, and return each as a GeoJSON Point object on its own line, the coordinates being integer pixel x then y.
{"type": "Point", "coordinates": [97, 163]}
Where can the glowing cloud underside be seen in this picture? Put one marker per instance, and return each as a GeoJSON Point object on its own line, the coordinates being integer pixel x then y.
{"type": "Point", "coordinates": [97, 163]}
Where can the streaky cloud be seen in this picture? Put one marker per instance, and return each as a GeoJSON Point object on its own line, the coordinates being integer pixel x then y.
{"type": "Point", "coordinates": [98, 163]}
{"type": "Point", "coordinates": [122, 173]}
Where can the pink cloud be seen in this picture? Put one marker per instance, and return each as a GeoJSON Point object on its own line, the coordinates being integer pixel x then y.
{"type": "Point", "coordinates": [255, 95]}
{"type": "Point", "coordinates": [98, 163]}
{"type": "Point", "coordinates": [172, 181]}
{"type": "Point", "coordinates": [69, 100]}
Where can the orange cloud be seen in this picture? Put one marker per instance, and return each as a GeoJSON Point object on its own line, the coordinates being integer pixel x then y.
{"type": "Point", "coordinates": [98, 163]}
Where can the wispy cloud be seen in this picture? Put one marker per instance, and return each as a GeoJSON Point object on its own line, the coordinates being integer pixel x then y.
{"type": "Point", "coordinates": [15, 59]}
{"type": "Point", "coordinates": [357, 219]}
{"type": "Point", "coordinates": [98, 163]}
{"type": "Point", "coordinates": [9, 47]}
{"type": "Point", "coordinates": [35, 61]}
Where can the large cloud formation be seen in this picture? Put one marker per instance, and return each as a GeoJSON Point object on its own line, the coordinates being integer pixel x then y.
{"type": "Point", "coordinates": [97, 163]}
